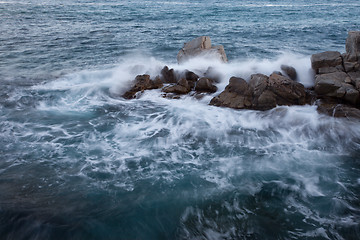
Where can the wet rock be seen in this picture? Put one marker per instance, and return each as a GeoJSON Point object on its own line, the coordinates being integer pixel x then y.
{"type": "Point", "coordinates": [168, 75]}
{"type": "Point", "coordinates": [326, 60]}
{"type": "Point", "coordinates": [200, 46]}
{"type": "Point", "coordinates": [335, 109]}
{"type": "Point", "coordinates": [289, 71]}
{"type": "Point", "coordinates": [355, 79]}
{"type": "Point", "coordinates": [325, 70]}
{"type": "Point", "coordinates": [236, 95]}
{"type": "Point", "coordinates": [353, 47]}
{"type": "Point", "coordinates": [182, 87]}
{"type": "Point", "coordinates": [142, 83]}
{"type": "Point", "coordinates": [191, 77]}
{"type": "Point", "coordinates": [205, 85]}
{"type": "Point", "coordinates": [262, 93]}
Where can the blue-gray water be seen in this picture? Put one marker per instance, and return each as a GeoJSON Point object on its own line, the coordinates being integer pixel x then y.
{"type": "Point", "coordinates": [79, 162]}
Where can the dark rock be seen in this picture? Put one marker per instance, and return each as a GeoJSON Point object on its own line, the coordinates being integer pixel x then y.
{"type": "Point", "coordinates": [168, 75]}
{"type": "Point", "coordinates": [355, 79]}
{"type": "Point", "coordinates": [287, 92]}
{"type": "Point", "coordinates": [289, 71]}
{"type": "Point", "coordinates": [205, 85]}
{"type": "Point", "coordinates": [353, 47]}
{"type": "Point", "coordinates": [191, 76]}
{"type": "Point", "coordinates": [337, 110]}
{"type": "Point", "coordinates": [336, 85]}
{"type": "Point", "coordinates": [351, 66]}
{"type": "Point", "coordinates": [262, 93]}
{"type": "Point", "coordinates": [182, 87]}
{"type": "Point", "coordinates": [199, 46]}
{"type": "Point", "coordinates": [141, 83]}
{"type": "Point", "coordinates": [236, 95]}
{"type": "Point", "coordinates": [325, 60]}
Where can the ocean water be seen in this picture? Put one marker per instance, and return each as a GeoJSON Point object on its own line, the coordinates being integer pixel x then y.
{"type": "Point", "coordinates": [77, 161]}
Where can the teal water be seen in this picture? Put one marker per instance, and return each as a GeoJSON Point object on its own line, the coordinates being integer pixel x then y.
{"type": "Point", "coordinates": [79, 162]}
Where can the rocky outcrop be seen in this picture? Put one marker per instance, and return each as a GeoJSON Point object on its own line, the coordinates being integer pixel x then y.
{"type": "Point", "coordinates": [261, 93]}
{"type": "Point", "coordinates": [338, 76]}
{"type": "Point", "coordinates": [140, 84]}
{"type": "Point", "coordinates": [200, 46]}
{"type": "Point", "coordinates": [182, 87]}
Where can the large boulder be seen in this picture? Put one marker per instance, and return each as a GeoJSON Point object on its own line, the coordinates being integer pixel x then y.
{"type": "Point", "coordinates": [335, 109]}
{"type": "Point", "coordinates": [140, 84]}
{"type": "Point", "coordinates": [200, 46]}
{"type": "Point", "coordinates": [261, 93]}
{"type": "Point", "coordinates": [236, 95]}
{"type": "Point", "coordinates": [336, 85]}
{"type": "Point", "coordinates": [326, 62]}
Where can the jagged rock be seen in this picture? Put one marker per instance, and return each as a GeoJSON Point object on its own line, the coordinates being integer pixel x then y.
{"type": "Point", "coordinates": [262, 93]}
{"type": "Point", "coordinates": [236, 95]}
{"type": "Point", "coordinates": [141, 83]}
{"type": "Point", "coordinates": [353, 47]}
{"type": "Point", "coordinates": [326, 60]}
{"type": "Point", "coordinates": [289, 71]}
{"type": "Point", "coordinates": [205, 85]}
{"type": "Point", "coordinates": [182, 87]}
{"type": "Point", "coordinates": [199, 46]}
{"type": "Point", "coordinates": [335, 85]}
{"type": "Point", "coordinates": [168, 75]}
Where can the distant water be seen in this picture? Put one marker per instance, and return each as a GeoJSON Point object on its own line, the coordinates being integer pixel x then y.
{"type": "Point", "coordinates": [79, 162]}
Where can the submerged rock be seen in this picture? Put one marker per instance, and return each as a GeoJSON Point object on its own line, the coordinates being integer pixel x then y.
{"type": "Point", "coordinates": [200, 46]}
{"type": "Point", "coordinates": [335, 109]}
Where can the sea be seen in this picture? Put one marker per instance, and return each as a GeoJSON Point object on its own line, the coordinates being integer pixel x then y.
{"type": "Point", "coordinates": [78, 161]}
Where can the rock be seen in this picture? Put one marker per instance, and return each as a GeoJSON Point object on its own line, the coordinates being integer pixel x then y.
{"type": "Point", "coordinates": [182, 87]}
{"type": "Point", "coordinates": [325, 60]}
{"type": "Point", "coordinates": [141, 83]}
{"type": "Point", "coordinates": [325, 70]}
{"type": "Point", "coordinates": [289, 71]}
{"type": "Point", "coordinates": [355, 79]}
{"type": "Point", "coordinates": [191, 78]}
{"type": "Point", "coordinates": [353, 47]}
{"type": "Point", "coordinates": [351, 66]}
{"type": "Point", "coordinates": [236, 95]}
{"type": "Point", "coordinates": [168, 75]}
{"type": "Point", "coordinates": [287, 91]}
{"type": "Point", "coordinates": [200, 46]}
{"type": "Point", "coordinates": [337, 110]}
{"type": "Point", "coordinates": [335, 85]}
{"type": "Point", "coordinates": [261, 93]}
{"type": "Point", "coordinates": [205, 85]}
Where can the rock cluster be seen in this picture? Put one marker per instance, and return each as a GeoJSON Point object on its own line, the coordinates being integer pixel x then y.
{"type": "Point", "coordinates": [261, 93]}
{"type": "Point", "coordinates": [338, 76]}
{"type": "Point", "coordinates": [187, 82]}
{"type": "Point", "coordinates": [336, 82]}
{"type": "Point", "coordinates": [200, 46]}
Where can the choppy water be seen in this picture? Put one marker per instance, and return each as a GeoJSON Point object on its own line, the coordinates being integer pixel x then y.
{"type": "Point", "coordinates": [79, 162]}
